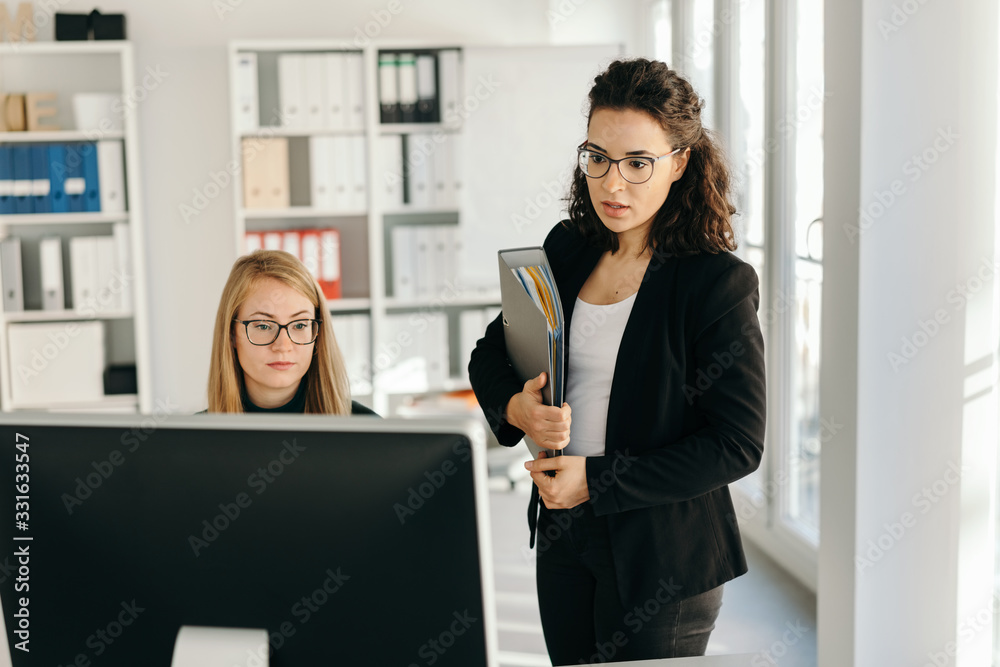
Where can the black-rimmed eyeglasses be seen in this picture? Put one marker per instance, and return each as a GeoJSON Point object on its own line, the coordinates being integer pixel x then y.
{"type": "Point", "coordinates": [265, 332]}
{"type": "Point", "coordinates": [634, 169]}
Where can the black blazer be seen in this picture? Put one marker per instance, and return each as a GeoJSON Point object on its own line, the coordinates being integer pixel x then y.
{"type": "Point", "coordinates": [685, 416]}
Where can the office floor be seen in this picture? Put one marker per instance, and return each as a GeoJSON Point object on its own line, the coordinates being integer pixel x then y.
{"type": "Point", "coordinates": [765, 612]}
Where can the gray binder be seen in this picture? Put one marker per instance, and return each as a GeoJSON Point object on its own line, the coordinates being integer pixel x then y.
{"type": "Point", "coordinates": [526, 330]}
{"type": "Point", "coordinates": [10, 274]}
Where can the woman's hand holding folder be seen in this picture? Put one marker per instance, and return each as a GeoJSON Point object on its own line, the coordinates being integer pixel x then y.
{"type": "Point", "coordinates": [547, 425]}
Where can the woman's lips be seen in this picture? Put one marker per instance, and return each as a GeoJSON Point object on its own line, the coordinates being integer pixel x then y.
{"type": "Point", "coordinates": [281, 365]}
{"type": "Point", "coordinates": [614, 209]}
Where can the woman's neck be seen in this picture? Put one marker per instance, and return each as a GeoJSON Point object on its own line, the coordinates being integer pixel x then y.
{"type": "Point", "coordinates": [270, 398]}
{"type": "Point", "coordinates": [633, 244]}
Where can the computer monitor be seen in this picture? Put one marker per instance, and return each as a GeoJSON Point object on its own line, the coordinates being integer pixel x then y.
{"type": "Point", "coordinates": [352, 541]}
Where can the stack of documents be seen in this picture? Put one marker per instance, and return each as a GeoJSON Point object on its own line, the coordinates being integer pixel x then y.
{"type": "Point", "coordinates": [533, 321]}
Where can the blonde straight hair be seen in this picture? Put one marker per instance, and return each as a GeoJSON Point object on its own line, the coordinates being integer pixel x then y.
{"type": "Point", "coordinates": [327, 387]}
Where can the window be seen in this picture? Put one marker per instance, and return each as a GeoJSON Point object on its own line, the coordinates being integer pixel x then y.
{"type": "Point", "coordinates": [760, 64]}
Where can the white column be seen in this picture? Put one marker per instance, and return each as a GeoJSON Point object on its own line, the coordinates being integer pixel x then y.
{"type": "Point", "coordinates": [909, 332]}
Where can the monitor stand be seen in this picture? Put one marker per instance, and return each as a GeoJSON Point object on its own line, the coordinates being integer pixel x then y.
{"type": "Point", "coordinates": [198, 646]}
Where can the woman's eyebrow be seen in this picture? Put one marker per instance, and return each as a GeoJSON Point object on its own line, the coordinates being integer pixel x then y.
{"type": "Point", "coordinates": [643, 152]}
{"type": "Point", "coordinates": [261, 312]}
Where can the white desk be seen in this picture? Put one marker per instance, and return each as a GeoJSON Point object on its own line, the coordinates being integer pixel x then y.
{"type": "Point", "coordinates": [742, 660]}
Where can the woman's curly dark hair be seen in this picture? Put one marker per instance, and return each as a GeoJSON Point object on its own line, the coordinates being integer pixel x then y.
{"type": "Point", "coordinates": [696, 216]}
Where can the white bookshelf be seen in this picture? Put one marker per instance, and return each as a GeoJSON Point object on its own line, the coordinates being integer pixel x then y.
{"type": "Point", "coordinates": [67, 68]}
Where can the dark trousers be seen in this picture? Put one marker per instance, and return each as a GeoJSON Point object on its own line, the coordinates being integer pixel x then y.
{"type": "Point", "coordinates": [583, 618]}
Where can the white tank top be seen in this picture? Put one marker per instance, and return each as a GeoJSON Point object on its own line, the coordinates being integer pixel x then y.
{"type": "Point", "coordinates": [594, 337]}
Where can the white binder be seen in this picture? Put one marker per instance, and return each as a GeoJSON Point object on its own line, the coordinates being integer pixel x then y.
{"type": "Point", "coordinates": [406, 68]}
{"type": "Point", "coordinates": [335, 91]}
{"type": "Point", "coordinates": [108, 286]}
{"type": "Point", "coordinates": [424, 252]}
{"type": "Point", "coordinates": [354, 71]}
{"type": "Point", "coordinates": [419, 149]}
{"type": "Point", "coordinates": [122, 234]}
{"type": "Point", "coordinates": [340, 160]}
{"type": "Point", "coordinates": [320, 174]}
{"type": "Point", "coordinates": [404, 262]}
{"type": "Point", "coordinates": [51, 269]}
{"type": "Point", "coordinates": [442, 260]}
{"type": "Point", "coordinates": [11, 274]}
{"type": "Point", "coordinates": [313, 86]}
{"type": "Point", "coordinates": [247, 97]}
{"type": "Point", "coordinates": [444, 195]}
{"type": "Point", "coordinates": [450, 87]}
{"type": "Point", "coordinates": [290, 90]}
{"type": "Point", "coordinates": [391, 171]}
{"type": "Point", "coordinates": [83, 272]}
{"type": "Point", "coordinates": [359, 174]}
{"type": "Point", "coordinates": [111, 175]}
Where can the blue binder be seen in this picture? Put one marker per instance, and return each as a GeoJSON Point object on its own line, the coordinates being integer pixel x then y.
{"type": "Point", "coordinates": [22, 179]}
{"type": "Point", "coordinates": [6, 181]}
{"type": "Point", "coordinates": [74, 185]}
{"type": "Point", "coordinates": [92, 197]}
{"type": "Point", "coordinates": [57, 178]}
{"type": "Point", "coordinates": [41, 201]}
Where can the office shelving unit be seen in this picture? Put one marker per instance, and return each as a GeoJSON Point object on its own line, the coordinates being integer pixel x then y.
{"type": "Point", "coordinates": [67, 68]}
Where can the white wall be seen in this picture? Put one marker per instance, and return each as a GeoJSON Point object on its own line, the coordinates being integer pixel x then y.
{"type": "Point", "coordinates": [906, 542]}
{"type": "Point", "coordinates": [184, 128]}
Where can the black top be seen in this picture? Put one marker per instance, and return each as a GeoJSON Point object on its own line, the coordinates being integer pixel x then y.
{"type": "Point", "coordinates": [298, 405]}
{"type": "Point", "coordinates": [685, 417]}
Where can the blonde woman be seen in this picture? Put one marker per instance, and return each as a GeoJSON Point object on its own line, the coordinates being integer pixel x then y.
{"type": "Point", "coordinates": [273, 349]}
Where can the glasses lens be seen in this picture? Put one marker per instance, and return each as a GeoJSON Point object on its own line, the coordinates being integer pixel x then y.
{"type": "Point", "coordinates": [303, 332]}
{"type": "Point", "coordinates": [636, 170]}
{"type": "Point", "coordinates": [593, 164]}
{"type": "Point", "coordinates": [262, 332]}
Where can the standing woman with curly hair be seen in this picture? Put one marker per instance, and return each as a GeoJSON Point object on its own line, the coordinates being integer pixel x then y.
{"type": "Point", "coordinates": [636, 533]}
